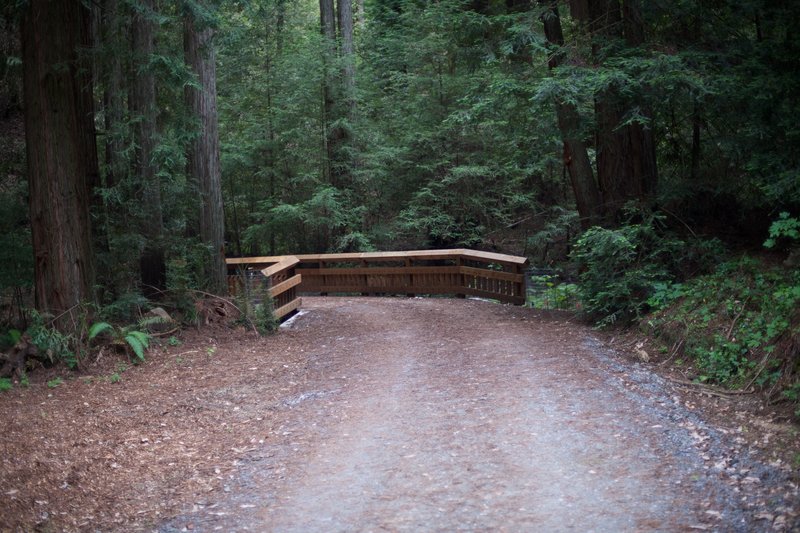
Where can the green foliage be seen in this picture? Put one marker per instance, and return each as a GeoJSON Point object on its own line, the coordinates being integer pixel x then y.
{"type": "Point", "coordinates": [621, 269]}
{"type": "Point", "coordinates": [16, 253]}
{"type": "Point", "coordinates": [54, 346]}
{"type": "Point", "coordinates": [663, 294]}
{"type": "Point", "coordinates": [9, 339]}
{"type": "Point", "coordinates": [792, 393]}
{"type": "Point", "coordinates": [548, 244]}
{"type": "Point", "coordinates": [264, 318]}
{"type": "Point", "coordinates": [257, 305]}
{"type": "Point", "coordinates": [135, 341]}
{"type": "Point", "coordinates": [549, 292]}
{"type": "Point", "coordinates": [125, 308]}
{"type": "Point", "coordinates": [55, 382]}
{"type": "Point", "coordinates": [5, 384]}
{"type": "Point", "coordinates": [732, 321]}
{"type": "Point", "coordinates": [786, 228]}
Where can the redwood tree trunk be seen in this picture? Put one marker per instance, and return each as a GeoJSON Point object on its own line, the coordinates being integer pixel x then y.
{"type": "Point", "coordinates": [203, 157]}
{"type": "Point", "coordinates": [345, 19]}
{"type": "Point", "coordinates": [576, 157]}
{"type": "Point", "coordinates": [626, 155]}
{"type": "Point", "coordinates": [61, 150]}
{"type": "Point", "coordinates": [113, 102]}
{"type": "Point", "coordinates": [143, 107]}
{"type": "Point", "coordinates": [327, 18]}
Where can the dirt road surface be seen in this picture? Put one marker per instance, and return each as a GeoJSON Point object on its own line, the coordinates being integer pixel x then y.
{"type": "Point", "coordinates": [387, 414]}
{"type": "Point", "coordinates": [442, 415]}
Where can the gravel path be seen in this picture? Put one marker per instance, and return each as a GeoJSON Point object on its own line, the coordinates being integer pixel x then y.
{"type": "Point", "coordinates": [448, 415]}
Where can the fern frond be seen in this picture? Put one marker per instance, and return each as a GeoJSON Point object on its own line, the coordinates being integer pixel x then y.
{"type": "Point", "coordinates": [99, 328]}
{"type": "Point", "coordinates": [136, 344]}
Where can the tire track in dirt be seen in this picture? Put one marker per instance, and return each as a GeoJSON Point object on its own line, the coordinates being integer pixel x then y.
{"type": "Point", "coordinates": [444, 415]}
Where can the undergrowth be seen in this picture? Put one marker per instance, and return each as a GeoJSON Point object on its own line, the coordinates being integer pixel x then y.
{"type": "Point", "coordinates": [622, 269]}
{"type": "Point", "coordinates": [735, 322]}
{"type": "Point", "coordinates": [740, 325]}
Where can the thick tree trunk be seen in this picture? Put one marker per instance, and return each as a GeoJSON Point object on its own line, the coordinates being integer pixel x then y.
{"type": "Point", "coordinates": [61, 150]}
{"type": "Point", "coordinates": [203, 157]}
{"type": "Point", "coordinates": [626, 155]}
{"type": "Point", "coordinates": [576, 157]}
{"type": "Point", "coordinates": [143, 107]}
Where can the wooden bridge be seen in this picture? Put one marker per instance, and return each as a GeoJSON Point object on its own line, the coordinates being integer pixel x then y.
{"type": "Point", "coordinates": [456, 272]}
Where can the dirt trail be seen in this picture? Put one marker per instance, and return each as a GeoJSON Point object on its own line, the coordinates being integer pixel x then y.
{"type": "Point", "coordinates": [442, 415]}
{"type": "Point", "coordinates": [388, 414]}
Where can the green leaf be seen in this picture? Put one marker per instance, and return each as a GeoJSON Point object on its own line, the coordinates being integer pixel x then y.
{"type": "Point", "coordinates": [141, 336]}
{"type": "Point", "coordinates": [99, 328]}
{"type": "Point", "coordinates": [14, 335]}
{"type": "Point", "coordinates": [136, 345]}
{"type": "Point", "coordinates": [138, 341]}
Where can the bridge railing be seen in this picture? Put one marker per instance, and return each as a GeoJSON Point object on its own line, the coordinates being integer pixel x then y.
{"type": "Point", "coordinates": [458, 272]}
{"type": "Point", "coordinates": [276, 275]}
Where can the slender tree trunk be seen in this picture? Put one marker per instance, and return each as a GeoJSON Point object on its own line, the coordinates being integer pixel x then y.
{"type": "Point", "coordinates": [696, 147]}
{"type": "Point", "coordinates": [203, 157]}
{"type": "Point", "coordinates": [143, 106]}
{"type": "Point", "coordinates": [113, 104]}
{"type": "Point", "coordinates": [347, 52]}
{"type": "Point", "coordinates": [576, 157]}
{"type": "Point", "coordinates": [328, 28]}
{"type": "Point", "coordinates": [280, 23]}
{"type": "Point", "coordinates": [61, 151]}
{"type": "Point", "coordinates": [10, 91]}
{"type": "Point", "coordinates": [361, 14]}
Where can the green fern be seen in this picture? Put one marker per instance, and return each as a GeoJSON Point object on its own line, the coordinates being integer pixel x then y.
{"type": "Point", "coordinates": [137, 341]}
{"type": "Point", "coordinates": [99, 328]}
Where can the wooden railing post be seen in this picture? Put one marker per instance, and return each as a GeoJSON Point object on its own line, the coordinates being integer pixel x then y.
{"type": "Point", "coordinates": [408, 264]}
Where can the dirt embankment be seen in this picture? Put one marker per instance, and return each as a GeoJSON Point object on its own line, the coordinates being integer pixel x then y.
{"type": "Point", "coordinates": [393, 414]}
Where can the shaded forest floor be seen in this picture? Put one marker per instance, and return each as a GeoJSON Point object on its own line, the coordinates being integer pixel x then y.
{"type": "Point", "coordinates": [395, 413]}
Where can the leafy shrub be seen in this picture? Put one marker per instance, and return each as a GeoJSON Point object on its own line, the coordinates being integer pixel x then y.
{"type": "Point", "coordinates": [125, 308]}
{"type": "Point", "coordinates": [264, 318]}
{"type": "Point", "coordinates": [54, 345]}
{"type": "Point", "coordinates": [549, 292]}
{"type": "Point", "coordinates": [621, 268]}
{"type": "Point", "coordinates": [256, 304]}
{"type": "Point", "coordinates": [785, 229]}
{"type": "Point", "coordinates": [733, 320]}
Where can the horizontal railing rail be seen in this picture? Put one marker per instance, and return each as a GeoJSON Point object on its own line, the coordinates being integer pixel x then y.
{"type": "Point", "coordinates": [457, 272]}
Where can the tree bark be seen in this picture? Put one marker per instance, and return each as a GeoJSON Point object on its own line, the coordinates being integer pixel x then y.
{"type": "Point", "coordinates": [347, 52]}
{"type": "Point", "coordinates": [61, 151]}
{"type": "Point", "coordinates": [143, 107]}
{"type": "Point", "coordinates": [328, 29]}
{"type": "Point", "coordinates": [362, 16]}
{"type": "Point", "coordinates": [576, 157]}
{"type": "Point", "coordinates": [203, 157]}
{"type": "Point", "coordinates": [626, 155]}
{"type": "Point", "coordinates": [113, 104]}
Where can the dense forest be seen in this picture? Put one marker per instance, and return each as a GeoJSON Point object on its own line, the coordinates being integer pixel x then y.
{"type": "Point", "coordinates": [645, 155]}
